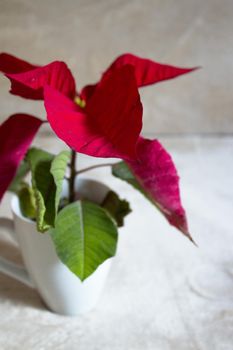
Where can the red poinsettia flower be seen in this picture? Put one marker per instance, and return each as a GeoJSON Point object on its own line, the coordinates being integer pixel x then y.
{"type": "Point", "coordinates": [105, 119]}
{"type": "Point", "coordinates": [110, 122]}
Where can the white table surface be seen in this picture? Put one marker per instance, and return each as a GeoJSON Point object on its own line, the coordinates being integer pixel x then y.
{"type": "Point", "coordinates": [148, 303]}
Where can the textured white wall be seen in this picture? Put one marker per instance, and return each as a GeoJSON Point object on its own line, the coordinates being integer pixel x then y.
{"type": "Point", "coordinates": [88, 34]}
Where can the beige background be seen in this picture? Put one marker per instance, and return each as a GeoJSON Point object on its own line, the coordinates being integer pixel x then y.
{"type": "Point", "coordinates": [89, 34]}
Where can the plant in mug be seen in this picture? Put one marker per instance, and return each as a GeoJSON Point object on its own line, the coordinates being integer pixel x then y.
{"type": "Point", "coordinates": [102, 120]}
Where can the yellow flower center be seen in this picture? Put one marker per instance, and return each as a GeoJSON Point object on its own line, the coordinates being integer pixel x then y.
{"type": "Point", "coordinates": [81, 103]}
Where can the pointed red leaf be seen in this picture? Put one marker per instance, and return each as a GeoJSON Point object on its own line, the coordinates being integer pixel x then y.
{"type": "Point", "coordinates": [156, 173]}
{"type": "Point", "coordinates": [16, 135]}
{"type": "Point", "coordinates": [13, 64]}
{"type": "Point", "coordinates": [28, 80]}
{"type": "Point", "coordinates": [147, 72]}
{"type": "Point", "coordinates": [110, 124]}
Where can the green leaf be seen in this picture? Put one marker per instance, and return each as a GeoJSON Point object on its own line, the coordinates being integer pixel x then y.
{"type": "Point", "coordinates": [20, 174]}
{"type": "Point", "coordinates": [117, 208]}
{"type": "Point", "coordinates": [84, 237]}
{"type": "Point", "coordinates": [27, 201]}
{"type": "Point", "coordinates": [48, 172]}
{"type": "Point", "coordinates": [58, 170]}
{"type": "Point", "coordinates": [43, 187]}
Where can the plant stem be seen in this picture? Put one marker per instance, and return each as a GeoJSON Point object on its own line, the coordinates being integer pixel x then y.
{"type": "Point", "coordinates": [72, 177]}
{"type": "Point", "coordinates": [94, 167]}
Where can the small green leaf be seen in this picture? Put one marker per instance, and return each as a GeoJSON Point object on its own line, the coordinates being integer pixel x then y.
{"type": "Point", "coordinates": [21, 173]}
{"type": "Point", "coordinates": [27, 201]}
{"type": "Point", "coordinates": [84, 237]}
{"type": "Point", "coordinates": [43, 186]}
{"type": "Point", "coordinates": [58, 170]}
{"type": "Point", "coordinates": [117, 208]}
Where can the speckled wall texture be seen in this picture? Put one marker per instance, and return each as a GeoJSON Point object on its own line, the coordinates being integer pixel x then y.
{"type": "Point", "coordinates": [88, 34]}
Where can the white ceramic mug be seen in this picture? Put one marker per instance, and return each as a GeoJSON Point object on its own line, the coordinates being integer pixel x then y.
{"type": "Point", "coordinates": [60, 289]}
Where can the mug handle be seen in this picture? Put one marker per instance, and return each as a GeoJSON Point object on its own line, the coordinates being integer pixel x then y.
{"type": "Point", "coordinates": [7, 267]}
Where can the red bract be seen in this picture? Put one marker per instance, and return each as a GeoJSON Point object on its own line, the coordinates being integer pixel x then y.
{"type": "Point", "coordinates": [146, 72]}
{"type": "Point", "coordinates": [16, 135]}
{"type": "Point", "coordinates": [110, 124]}
{"type": "Point", "coordinates": [12, 64]}
{"type": "Point", "coordinates": [28, 80]}
{"type": "Point", "coordinates": [156, 173]}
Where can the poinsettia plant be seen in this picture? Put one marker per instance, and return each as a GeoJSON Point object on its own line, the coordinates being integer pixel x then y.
{"type": "Point", "coordinates": [101, 120]}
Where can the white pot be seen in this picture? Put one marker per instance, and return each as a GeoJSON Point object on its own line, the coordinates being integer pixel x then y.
{"type": "Point", "coordinates": [60, 289]}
